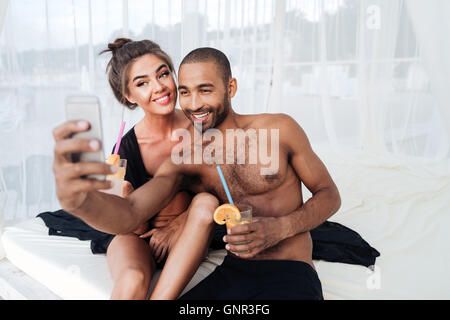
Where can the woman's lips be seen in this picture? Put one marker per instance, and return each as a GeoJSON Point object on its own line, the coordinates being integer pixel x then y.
{"type": "Point", "coordinates": [201, 117]}
{"type": "Point", "coordinates": [163, 100]}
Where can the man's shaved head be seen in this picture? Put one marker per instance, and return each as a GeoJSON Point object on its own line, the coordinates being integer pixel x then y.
{"type": "Point", "coordinates": [207, 54]}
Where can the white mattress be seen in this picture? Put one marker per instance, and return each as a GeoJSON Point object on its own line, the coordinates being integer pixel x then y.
{"type": "Point", "coordinates": [402, 211]}
{"type": "Point", "coordinates": [67, 266]}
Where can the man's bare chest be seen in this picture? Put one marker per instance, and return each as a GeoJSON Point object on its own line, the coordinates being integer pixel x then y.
{"type": "Point", "coordinates": [243, 180]}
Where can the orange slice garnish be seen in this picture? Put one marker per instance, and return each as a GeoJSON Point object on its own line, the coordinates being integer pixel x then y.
{"type": "Point", "coordinates": [113, 160]}
{"type": "Point", "coordinates": [227, 213]}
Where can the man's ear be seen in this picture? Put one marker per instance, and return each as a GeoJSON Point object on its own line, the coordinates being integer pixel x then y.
{"type": "Point", "coordinates": [232, 87]}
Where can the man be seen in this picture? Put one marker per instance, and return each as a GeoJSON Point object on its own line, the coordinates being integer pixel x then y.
{"type": "Point", "coordinates": [273, 254]}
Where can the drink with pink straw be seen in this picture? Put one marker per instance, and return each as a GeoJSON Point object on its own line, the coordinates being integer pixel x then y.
{"type": "Point", "coordinates": [121, 164]}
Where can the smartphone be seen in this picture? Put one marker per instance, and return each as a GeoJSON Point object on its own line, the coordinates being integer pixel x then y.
{"type": "Point", "coordinates": [87, 108]}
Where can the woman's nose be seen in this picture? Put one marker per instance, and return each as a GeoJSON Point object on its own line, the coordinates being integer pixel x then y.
{"type": "Point", "coordinates": [159, 86]}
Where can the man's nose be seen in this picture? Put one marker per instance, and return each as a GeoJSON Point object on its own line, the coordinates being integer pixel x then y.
{"type": "Point", "coordinates": [196, 103]}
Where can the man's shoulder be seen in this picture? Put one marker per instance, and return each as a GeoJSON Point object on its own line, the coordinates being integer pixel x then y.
{"type": "Point", "coordinates": [270, 121]}
{"type": "Point", "coordinates": [291, 134]}
{"type": "Point", "coordinates": [267, 120]}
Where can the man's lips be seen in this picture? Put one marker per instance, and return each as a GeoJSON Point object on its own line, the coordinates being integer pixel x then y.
{"type": "Point", "coordinates": [201, 116]}
{"type": "Point", "coordinates": [163, 100]}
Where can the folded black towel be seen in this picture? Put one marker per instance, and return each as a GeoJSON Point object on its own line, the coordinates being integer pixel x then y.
{"type": "Point", "coordinates": [62, 223]}
{"type": "Point", "coordinates": [332, 241]}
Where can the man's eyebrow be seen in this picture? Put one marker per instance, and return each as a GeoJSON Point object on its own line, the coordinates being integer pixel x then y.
{"type": "Point", "coordinates": [205, 85]}
{"type": "Point", "coordinates": [202, 85]}
{"type": "Point", "coordinates": [145, 76]}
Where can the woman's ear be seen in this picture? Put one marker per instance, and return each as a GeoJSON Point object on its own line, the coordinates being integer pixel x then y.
{"type": "Point", "coordinates": [128, 97]}
{"type": "Point", "coordinates": [232, 87]}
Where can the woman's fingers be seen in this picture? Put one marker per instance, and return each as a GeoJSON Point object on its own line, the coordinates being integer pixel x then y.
{"type": "Point", "coordinates": [157, 252]}
{"type": "Point", "coordinates": [157, 243]}
{"type": "Point", "coordinates": [71, 186]}
{"type": "Point", "coordinates": [163, 254]}
{"type": "Point", "coordinates": [80, 169]}
{"type": "Point", "coordinates": [86, 185]}
{"type": "Point", "coordinates": [127, 188]}
{"type": "Point", "coordinates": [68, 128]}
{"type": "Point", "coordinates": [152, 244]}
{"type": "Point", "coordinates": [74, 145]}
{"type": "Point", "coordinates": [147, 234]}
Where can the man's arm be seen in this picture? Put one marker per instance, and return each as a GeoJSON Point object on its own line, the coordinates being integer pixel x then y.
{"type": "Point", "coordinates": [269, 231]}
{"type": "Point", "coordinates": [325, 200]}
{"type": "Point", "coordinates": [105, 212]}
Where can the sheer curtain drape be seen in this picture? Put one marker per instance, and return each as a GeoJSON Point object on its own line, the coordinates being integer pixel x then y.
{"type": "Point", "coordinates": [359, 76]}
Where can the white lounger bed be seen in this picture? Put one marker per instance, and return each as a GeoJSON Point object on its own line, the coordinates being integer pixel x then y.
{"type": "Point", "coordinates": [402, 211]}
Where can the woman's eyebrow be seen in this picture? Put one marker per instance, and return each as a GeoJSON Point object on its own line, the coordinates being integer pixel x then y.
{"type": "Point", "coordinates": [160, 67]}
{"type": "Point", "coordinates": [145, 76]}
{"type": "Point", "coordinates": [139, 77]}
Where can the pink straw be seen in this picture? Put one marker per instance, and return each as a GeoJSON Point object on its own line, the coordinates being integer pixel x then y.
{"type": "Point", "coordinates": [116, 150]}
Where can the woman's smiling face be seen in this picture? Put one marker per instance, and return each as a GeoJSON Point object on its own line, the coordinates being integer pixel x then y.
{"type": "Point", "coordinates": [151, 85]}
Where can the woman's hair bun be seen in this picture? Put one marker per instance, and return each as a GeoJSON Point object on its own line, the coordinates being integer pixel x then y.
{"type": "Point", "coordinates": [116, 45]}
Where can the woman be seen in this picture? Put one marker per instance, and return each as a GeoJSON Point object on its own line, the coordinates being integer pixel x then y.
{"type": "Point", "coordinates": [141, 74]}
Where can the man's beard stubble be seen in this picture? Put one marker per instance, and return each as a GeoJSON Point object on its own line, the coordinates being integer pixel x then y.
{"type": "Point", "coordinates": [217, 118]}
{"type": "Point", "coordinates": [222, 116]}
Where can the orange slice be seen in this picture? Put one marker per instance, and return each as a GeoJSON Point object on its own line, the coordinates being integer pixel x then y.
{"type": "Point", "coordinates": [113, 159]}
{"type": "Point", "coordinates": [227, 213]}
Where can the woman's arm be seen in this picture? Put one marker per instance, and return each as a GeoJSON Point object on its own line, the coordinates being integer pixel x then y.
{"type": "Point", "coordinates": [105, 212]}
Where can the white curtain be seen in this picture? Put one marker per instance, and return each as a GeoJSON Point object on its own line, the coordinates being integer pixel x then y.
{"type": "Point", "coordinates": [430, 23]}
{"type": "Point", "coordinates": [359, 76]}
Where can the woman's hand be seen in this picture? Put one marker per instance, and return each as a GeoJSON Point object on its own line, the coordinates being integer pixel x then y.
{"type": "Point", "coordinates": [160, 242]}
{"type": "Point", "coordinates": [127, 188]}
{"type": "Point", "coordinates": [163, 238]}
{"type": "Point", "coordinates": [142, 229]}
{"type": "Point", "coordinates": [71, 189]}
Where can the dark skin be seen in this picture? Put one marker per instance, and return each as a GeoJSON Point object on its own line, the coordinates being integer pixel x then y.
{"type": "Point", "coordinates": [281, 221]}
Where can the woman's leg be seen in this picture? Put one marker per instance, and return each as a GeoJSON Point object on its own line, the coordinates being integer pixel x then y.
{"type": "Point", "coordinates": [131, 266]}
{"type": "Point", "coordinates": [189, 250]}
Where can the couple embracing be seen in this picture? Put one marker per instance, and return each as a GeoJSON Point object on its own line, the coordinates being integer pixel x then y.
{"type": "Point", "coordinates": [165, 218]}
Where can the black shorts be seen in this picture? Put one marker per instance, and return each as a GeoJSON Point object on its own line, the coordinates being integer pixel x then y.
{"type": "Point", "coordinates": [240, 279]}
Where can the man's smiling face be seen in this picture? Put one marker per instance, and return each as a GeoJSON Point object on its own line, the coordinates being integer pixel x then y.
{"type": "Point", "coordinates": [203, 96]}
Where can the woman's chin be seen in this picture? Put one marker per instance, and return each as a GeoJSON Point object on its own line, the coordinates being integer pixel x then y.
{"type": "Point", "coordinates": [161, 110]}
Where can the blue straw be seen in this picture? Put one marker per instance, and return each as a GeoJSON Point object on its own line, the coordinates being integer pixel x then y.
{"type": "Point", "coordinates": [224, 183]}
